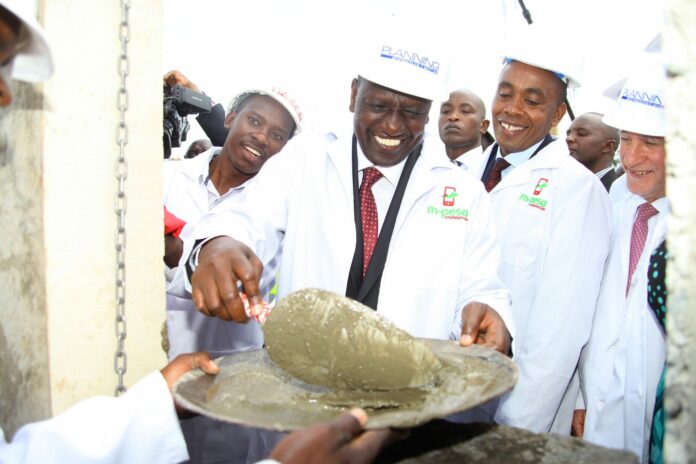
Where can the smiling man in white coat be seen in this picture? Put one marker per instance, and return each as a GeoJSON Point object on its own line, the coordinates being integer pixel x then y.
{"type": "Point", "coordinates": [418, 246]}
{"type": "Point", "coordinates": [621, 365]}
{"type": "Point", "coordinates": [375, 213]}
{"type": "Point", "coordinates": [553, 221]}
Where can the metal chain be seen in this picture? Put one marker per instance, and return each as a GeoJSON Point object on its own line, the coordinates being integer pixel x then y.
{"type": "Point", "coordinates": [120, 357]}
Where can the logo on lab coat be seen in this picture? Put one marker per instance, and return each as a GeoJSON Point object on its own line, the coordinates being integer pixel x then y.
{"type": "Point", "coordinates": [534, 201]}
{"type": "Point", "coordinates": [448, 196]}
{"type": "Point", "coordinates": [448, 211]}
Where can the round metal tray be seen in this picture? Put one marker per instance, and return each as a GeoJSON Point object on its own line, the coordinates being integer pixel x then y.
{"type": "Point", "coordinates": [250, 390]}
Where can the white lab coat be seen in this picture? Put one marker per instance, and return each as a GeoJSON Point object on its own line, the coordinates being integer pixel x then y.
{"type": "Point", "coordinates": [553, 246]}
{"type": "Point", "coordinates": [621, 365]}
{"type": "Point", "coordinates": [435, 265]}
{"type": "Point", "coordinates": [139, 427]}
{"type": "Point", "coordinates": [187, 197]}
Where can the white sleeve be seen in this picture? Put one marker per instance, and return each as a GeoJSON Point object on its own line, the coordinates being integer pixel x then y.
{"type": "Point", "coordinates": [480, 281]}
{"type": "Point", "coordinates": [139, 427]}
{"type": "Point", "coordinates": [561, 320]}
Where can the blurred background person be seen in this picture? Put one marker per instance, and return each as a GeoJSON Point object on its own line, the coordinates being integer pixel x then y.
{"type": "Point", "coordinates": [594, 144]}
{"type": "Point", "coordinates": [197, 147]}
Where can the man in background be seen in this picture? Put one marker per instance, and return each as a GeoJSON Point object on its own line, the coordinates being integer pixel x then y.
{"type": "Point", "coordinates": [462, 125]}
{"type": "Point", "coordinates": [594, 144]}
{"type": "Point", "coordinates": [197, 147]}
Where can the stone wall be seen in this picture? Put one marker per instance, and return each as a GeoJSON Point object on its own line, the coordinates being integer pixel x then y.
{"type": "Point", "coordinates": [679, 45]}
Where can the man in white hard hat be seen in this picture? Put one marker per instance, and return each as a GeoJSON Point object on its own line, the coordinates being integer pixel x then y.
{"type": "Point", "coordinates": [142, 425]}
{"type": "Point", "coordinates": [553, 221]}
{"type": "Point", "coordinates": [375, 213]}
{"type": "Point", "coordinates": [260, 122]}
{"type": "Point", "coordinates": [622, 364]}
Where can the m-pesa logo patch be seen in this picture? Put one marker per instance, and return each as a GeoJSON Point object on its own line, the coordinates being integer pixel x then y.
{"type": "Point", "coordinates": [534, 201]}
{"type": "Point", "coordinates": [448, 211]}
{"type": "Point", "coordinates": [448, 196]}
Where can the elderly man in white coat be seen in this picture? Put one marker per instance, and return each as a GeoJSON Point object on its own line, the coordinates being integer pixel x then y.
{"type": "Point", "coordinates": [621, 365]}
{"type": "Point", "coordinates": [553, 221]}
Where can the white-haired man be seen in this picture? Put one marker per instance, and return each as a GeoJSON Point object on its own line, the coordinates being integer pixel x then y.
{"type": "Point", "coordinates": [622, 364]}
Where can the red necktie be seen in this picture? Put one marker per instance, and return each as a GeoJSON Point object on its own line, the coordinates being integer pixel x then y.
{"type": "Point", "coordinates": [495, 175]}
{"type": "Point", "coordinates": [368, 214]}
{"type": "Point", "coordinates": [638, 237]}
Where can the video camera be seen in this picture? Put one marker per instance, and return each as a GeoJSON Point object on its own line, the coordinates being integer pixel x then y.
{"type": "Point", "coordinates": [179, 102]}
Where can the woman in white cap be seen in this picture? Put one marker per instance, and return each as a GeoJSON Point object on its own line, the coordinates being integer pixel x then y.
{"type": "Point", "coordinates": [621, 366]}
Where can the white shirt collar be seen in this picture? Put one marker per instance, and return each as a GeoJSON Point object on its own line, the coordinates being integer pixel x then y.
{"type": "Point", "coordinates": [470, 158]}
{"type": "Point", "coordinates": [601, 173]}
{"type": "Point", "coordinates": [515, 159]}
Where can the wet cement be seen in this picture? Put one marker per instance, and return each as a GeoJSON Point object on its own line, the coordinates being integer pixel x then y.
{"type": "Point", "coordinates": [327, 339]}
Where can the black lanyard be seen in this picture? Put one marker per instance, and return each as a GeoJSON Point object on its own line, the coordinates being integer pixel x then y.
{"type": "Point", "coordinates": [366, 290]}
{"type": "Point", "coordinates": [494, 153]}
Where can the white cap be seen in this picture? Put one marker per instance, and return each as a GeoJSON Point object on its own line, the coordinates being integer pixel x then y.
{"type": "Point", "coordinates": [33, 62]}
{"type": "Point", "coordinates": [278, 95]}
{"type": "Point", "coordinates": [548, 50]}
{"type": "Point", "coordinates": [401, 59]}
{"type": "Point", "coordinates": [640, 101]}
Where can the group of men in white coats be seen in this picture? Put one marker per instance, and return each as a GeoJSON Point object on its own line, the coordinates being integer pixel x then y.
{"type": "Point", "coordinates": [352, 212]}
{"type": "Point", "coordinates": [337, 232]}
{"type": "Point", "coordinates": [551, 215]}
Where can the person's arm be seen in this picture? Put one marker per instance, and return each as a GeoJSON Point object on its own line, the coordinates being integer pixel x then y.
{"type": "Point", "coordinates": [213, 123]}
{"type": "Point", "coordinates": [560, 320]}
{"type": "Point", "coordinates": [139, 427]}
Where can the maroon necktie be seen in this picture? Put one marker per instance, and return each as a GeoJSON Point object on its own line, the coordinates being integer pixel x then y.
{"type": "Point", "coordinates": [495, 175]}
{"type": "Point", "coordinates": [368, 214]}
{"type": "Point", "coordinates": [638, 236]}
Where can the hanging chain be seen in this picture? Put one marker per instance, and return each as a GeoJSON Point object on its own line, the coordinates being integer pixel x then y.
{"type": "Point", "coordinates": [120, 358]}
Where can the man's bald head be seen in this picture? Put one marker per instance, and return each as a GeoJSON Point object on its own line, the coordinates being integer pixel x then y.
{"type": "Point", "coordinates": [462, 122]}
{"type": "Point", "coordinates": [592, 142]}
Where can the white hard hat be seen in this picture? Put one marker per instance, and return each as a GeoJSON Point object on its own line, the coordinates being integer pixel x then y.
{"type": "Point", "coordinates": [640, 100]}
{"type": "Point", "coordinates": [33, 62]}
{"type": "Point", "coordinates": [278, 95]}
{"type": "Point", "coordinates": [546, 49]}
{"type": "Point", "coordinates": [401, 59]}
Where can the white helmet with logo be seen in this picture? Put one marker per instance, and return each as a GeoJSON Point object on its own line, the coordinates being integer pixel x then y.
{"type": "Point", "coordinates": [33, 61]}
{"type": "Point", "coordinates": [640, 100]}
{"type": "Point", "coordinates": [403, 59]}
{"type": "Point", "coordinates": [546, 49]}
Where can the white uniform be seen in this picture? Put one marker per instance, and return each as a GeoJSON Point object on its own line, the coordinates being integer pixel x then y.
{"type": "Point", "coordinates": [621, 365]}
{"type": "Point", "coordinates": [139, 427]}
{"type": "Point", "coordinates": [474, 161]}
{"type": "Point", "coordinates": [553, 218]}
{"type": "Point", "coordinates": [189, 195]}
{"type": "Point", "coordinates": [440, 257]}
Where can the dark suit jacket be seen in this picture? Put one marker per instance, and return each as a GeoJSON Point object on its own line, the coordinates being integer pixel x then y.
{"type": "Point", "coordinates": [608, 178]}
{"type": "Point", "coordinates": [213, 124]}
